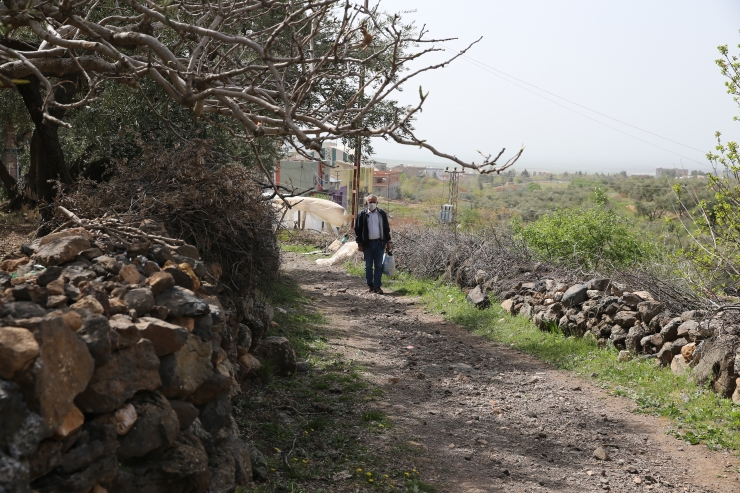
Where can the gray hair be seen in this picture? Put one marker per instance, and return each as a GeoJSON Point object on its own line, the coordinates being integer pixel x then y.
{"type": "Point", "coordinates": [371, 196]}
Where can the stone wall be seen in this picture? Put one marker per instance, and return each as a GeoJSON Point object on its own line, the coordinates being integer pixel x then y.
{"type": "Point", "coordinates": [707, 344]}
{"type": "Point", "coordinates": [118, 361]}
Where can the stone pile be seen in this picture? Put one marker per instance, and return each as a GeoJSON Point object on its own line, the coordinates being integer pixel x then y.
{"type": "Point", "coordinates": [118, 362]}
{"type": "Point", "coordinates": [703, 343]}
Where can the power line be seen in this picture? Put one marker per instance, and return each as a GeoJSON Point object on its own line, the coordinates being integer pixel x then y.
{"type": "Point", "coordinates": [491, 70]}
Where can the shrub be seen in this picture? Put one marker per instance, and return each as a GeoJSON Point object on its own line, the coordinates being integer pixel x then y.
{"type": "Point", "coordinates": [585, 238]}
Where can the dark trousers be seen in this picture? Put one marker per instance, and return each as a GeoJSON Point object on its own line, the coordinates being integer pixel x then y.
{"type": "Point", "coordinates": [373, 251]}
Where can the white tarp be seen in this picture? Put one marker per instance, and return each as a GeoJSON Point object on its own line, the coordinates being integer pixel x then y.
{"type": "Point", "coordinates": [317, 210]}
{"type": "Point", "coordinates": [347, 250]}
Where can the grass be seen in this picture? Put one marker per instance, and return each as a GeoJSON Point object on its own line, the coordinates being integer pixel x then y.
{"type": "Point", "coordinates": [699, 415]}
{"type": "Point", "coordinates": [312, 427]}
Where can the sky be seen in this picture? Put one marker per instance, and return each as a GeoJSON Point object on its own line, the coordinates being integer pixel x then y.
{"type": "Point", "coordinates": [648, 63]}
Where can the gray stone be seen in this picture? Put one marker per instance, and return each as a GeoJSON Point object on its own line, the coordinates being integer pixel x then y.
{"type": "Point", "coordinates": [182, 302]}
{"type": "Point", "coordinates": [128, 333]}
{"type": "Point", "coordinates": [155, 428]}
{"type": "Point", "coordinates": [128, 371]}
{"type": "Point", "coordinates": [575, 295]}
{"type": "Point", "coordinates": [61, 250]}
{"type": "Point", "coordinates": [279, 352]}
{"type": "Point", "coordinates": [633, 338]}
{"type": "Point", "coordinates": [717, 365]}
{"type": "Point", "coordinates": [14, 475]}
{"type": "Point", "coordinates": [215, 415]}
{"type": "Point", "coordinates": [679, 365]}
{"type": "Point", "coordinates": [686, 327]}
{"type": "Point", "coordinates": [95, 333]}
{"type": "Point", "coordinates": [259, 463]}
{"type": "Point", "coordinates": [166, 337]}
{"type": "Point", "coordinates": [186, 413]}
{"type": "Point", "coordinates": [21, 309]}
{"type": "Point", "coordinates": [625, 319]}
{"type": "Point", "coordinates": [140, 299]}
{"type": "Point", "coordinates": [599, 284]}
{"type": "Point", "coordinates": [649, 310]}
{"type": "Point", "coordinates": [631, 299]}
{"type": "Point", "coordinates": [230, 465]}
{"type": "Point", "coordinates": [479, 298]}
{"type": "Point", "coordinates": [601, 454]}
{"type": "Point", "coordinates": [49, 274]}
{"type": "Point", "coordinates": [670, 330]}
{"type": "Point", "coordinates": [187, 369]}
{"type": "Point", "coordinates": [189, 251]}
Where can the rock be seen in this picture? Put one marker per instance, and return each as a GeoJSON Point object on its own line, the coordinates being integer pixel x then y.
{"type": "Point", "coordinates": [140, 299]}
{"type": "Point", "coordinates": [130, 274]}
{"type": "Point", "coordinates": [508, 306]}
{"type": "Point", "coordinates": [14, 475]}
{"type": "Point", "coordinates": [302, 366]}
{"type": "Point", "coordinates": [5, 278]}
{"type": "Point", "coordinates": [686, 327]}
{"type": "Point", "coordinates": [679, 365]}
{"type": "Point", "coordinates": [63, 234]}
{"type": "Point", "coordinates": [95, 333]}
{"type": "Point", "coordinates": [601, 454]}
{"type": "Point", "coordinates": [649, 310]}
{"type": "Point", "coordinates": [47, 457]}
{"type": "Point", "coordinates": [155, 428]}
{"type": "Point", "coordinates": [187, 369]}
{"type": "Point", "coordinates": [593, 294]}
{"type": "Point", "coordinates": [180, 468]}
{"type": "Point", "coordinates": [249, 366]}
{"type": "Point", "coordinates": [702, 330]}
{"type": "Point", "coordinates": [230, 465]}
{"type": "Point", "coordinates": [48, 275]}
{"type": "Point", "coordinates": [259, 463]}
{"type": "Point", "coordinates": [215, 415]}
{"type": "Point", "coordinates": [633, 338]}
{"type": "Point", "coordinates": [71, 423]}
{"type": "Point", "coordinates": [624, 356]}
{"type": "Point", "coordinates": [30, 292]}
{"type": "Point", "coordinates": [598, 284]}
{"type": "Point", "coordinates": [160, 312]}
{"type": "Point", "coordinates": [166, 337]}
{"type": "Point", "coordinates": [57, 302]}
{"type": "Point", "coordinates": [670, 330]}
{"type": "Point", "coordinates": [128, 371]}
{"type": "Point", "coordinates": [122, 419]}
{"type": "Point", "coordinates": [214, 386]}
{"type": "Point", "coordinates": [693, 315]}
{"type": "Point", "coordinates": [21, 429]}
{"type": "Point", "coordinates": [90, 304]}
{"type": "Point", "coordinates": [128, 333]}
{"type": "Point", "coordinates": [644, 295]}
{"type": "Point", "coordinates": [188, 251]}
{"type": "Point", "coordinates": [11, 265]}
{"type": "Point", "coordinates": [160, 281]}
{"type": "Point", "coordinates": [61, 250]}
{"type": "Point", "coordinates": [76, 274]}
{"type": "Point", "coordinates": [18, 350]}
{"type": "Point", "coordinates": [93, 462]}
{"type": "Point", "coordinates": [63, 369]}
{"type": "Point", "coordinates": [109, 264]}
{"type": "Point", "coordinates": [631, 299]}
{"type": "Point", "coordinates": [479, 298]}
{"type": "Point", "coordinates": [21, 309]}
{"type": "Point", "coordinates": [181, 278]}
{"type": "Point", "coordinates": [182, 302]}
{"type": "Point", "coordinates": [278, 351]}
{"type": "Point", "coordinates": [625, 319]}
{"type": "Point", "coordinates": [717, 365]}
{"type": "Point", "coordinates": [575, 295]}
{"type": "Point", "coordinates": [687, 351]}
{"type": "Point", "coordinates": [186, 413]}
{"type": "Point", "coordinates": [91, 253]}
{"type": "Point", "coordinates": [137, 248]}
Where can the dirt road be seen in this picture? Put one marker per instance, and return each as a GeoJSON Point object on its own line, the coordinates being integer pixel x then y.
{"type": "Point", "coordinates": [482, 417]}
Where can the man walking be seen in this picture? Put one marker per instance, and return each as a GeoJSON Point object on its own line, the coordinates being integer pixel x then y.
{"type": "Point", "coordinates": [373, 234]}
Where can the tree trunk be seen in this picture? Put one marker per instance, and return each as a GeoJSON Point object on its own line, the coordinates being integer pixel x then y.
{"type": "Point", "coordinates": [47, 156]}
{"type": "Point", "coordinates": [11, 187]}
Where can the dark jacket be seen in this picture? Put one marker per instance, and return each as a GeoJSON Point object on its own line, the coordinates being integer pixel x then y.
{"type": "Point", "coordinates": [361, 226]}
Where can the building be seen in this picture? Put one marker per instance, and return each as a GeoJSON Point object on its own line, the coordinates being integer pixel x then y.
{"type": "Point", "coordinates": [387, 184]}
{"type": "Point", "coordinates": [672, 172]}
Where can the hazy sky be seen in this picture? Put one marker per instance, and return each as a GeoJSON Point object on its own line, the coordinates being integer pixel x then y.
{"type": "Point", "coordinates": [649, 63]}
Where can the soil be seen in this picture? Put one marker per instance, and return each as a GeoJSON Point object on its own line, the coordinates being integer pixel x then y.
{"type": "Point", "coordinates": [482, 417]}
{"type": "Point", "coordinates": [14, 231]}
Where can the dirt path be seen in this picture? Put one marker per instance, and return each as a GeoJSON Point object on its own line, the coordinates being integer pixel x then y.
{"type": "Point", "coordinates": [481, 417]}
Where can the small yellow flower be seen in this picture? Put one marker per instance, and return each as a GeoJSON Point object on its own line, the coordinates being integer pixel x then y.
{"type": "Point", "coordinates": [414, 470]}
{"type": "Point", "coordinates": [272, 469]}
{"type": "Point", "coordinates": [305, 432]}
{"type": "Point", "coordinates": [277, 449]}
{"type": "Point", "coordinates": [295, 458]}
{"type": "Point", "coordinates": [370, 480]}
{"type": "Point", "coordinates": [369, 474]}
{"type": "Point", "coordinates": [385, 476]}
{"type": "Point", "coordinates": [406, 473]}
{"type": "Point", "coordinates": [359, 469]}
{"type": "Point", "coordinates": [311, 429]}
{"type": "Point", "coordinates": [305, 461]}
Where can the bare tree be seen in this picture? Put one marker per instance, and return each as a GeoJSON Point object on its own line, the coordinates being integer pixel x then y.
{"type": "Point", "coordinates": [288, 69]}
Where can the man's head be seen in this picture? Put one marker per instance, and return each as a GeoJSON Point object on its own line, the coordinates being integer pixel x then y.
{"type": "Point", "coordinates": [372, 202]}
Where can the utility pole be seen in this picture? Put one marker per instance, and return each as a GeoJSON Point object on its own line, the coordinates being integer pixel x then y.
{"type": "Point", "coordinates": [453, 193]}
{"type": "Point", "coordinates": [358, 147]}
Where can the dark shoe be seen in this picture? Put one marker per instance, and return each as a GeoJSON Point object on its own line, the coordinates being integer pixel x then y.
{"type": "Point", "coordinates": [370, 289]}
{"type": "Point", "coordinates": [378, 290]}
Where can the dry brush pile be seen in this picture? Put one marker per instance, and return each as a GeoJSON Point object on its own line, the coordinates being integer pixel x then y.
{"type": "Point", "coordinates": [638, 312]}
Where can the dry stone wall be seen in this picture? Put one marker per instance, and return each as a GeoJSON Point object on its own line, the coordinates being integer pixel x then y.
{"type": "Point", "coordinates": [118, 362]}
{"type": "Point", "coordinates": [704, 343]}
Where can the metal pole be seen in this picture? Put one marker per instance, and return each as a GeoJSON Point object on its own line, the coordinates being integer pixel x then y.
{"type": "Point", "coordinates": [358, 149]}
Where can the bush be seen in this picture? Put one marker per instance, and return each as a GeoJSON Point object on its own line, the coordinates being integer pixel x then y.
{"type": "Point", "coordinates": [584, 238]}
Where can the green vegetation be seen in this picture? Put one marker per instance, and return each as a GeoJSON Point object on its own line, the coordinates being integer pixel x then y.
{"type": "Point", "coordinates": [700, 415]}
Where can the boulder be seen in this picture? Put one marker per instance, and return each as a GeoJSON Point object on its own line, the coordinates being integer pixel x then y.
{"type": "Point", "coordinates": [21, 309]}
{"type": "Point", "coordinates": [679, 365]}
{"type": "Point", "coordinates": [184, 371]}
{"type": "Point", "coordinates": [670, 330]}
{"type": "Point", "coordinates": [188, 251]}
{"type": "Point", "coordinates": [215, 415]}
{"type": "Point", "coordinates": [624, 356]}
{"type": "Point", "coordinates": [631, 299]}
{"type": "Point", "coordinates": [181, 278]}
{"type": "Point", "coordinates": [508, 306]}
{"type": "Point", "coordinates": [214, 386]}
{"type": "Point", "coordinates": [155, 428]}
{"type": "Point", "coordinates": [186, 413]}
{"type": "Point", "coordinates": [71, 423]}
{"type": "Point", "coordinates": [166, 337]}
{"type": "Point", "coordinates": [279, 352]}
{"type": "Point", "coordinates": [633, 338]}
{"type": "Point", "coordinates": [182, 302]}
{"type": "Point", "coordinates": [649, 310]}
{"type": "Point", "coordinates": [230, 465]}
{"type": "Point", "coordinates": [122, 419]}
{"type": "Point", "coordinates": [687, 351]}
{"type": "Point", "coordinates": [140, 299]}
{"type": "Point", "coordinates": [62, 370]}
{"type": "Point", "coordinates": [14, 475]}
{"type": "Point", "coordinates": [130, 274]}
{"type": "Point", "coordinates": [61, 250]}
{"type": "Point", "coordinates": [717, 365]}
{"type": "Point", "coordinates": [598, 284]}
{"type": "Point", "coordinates": [128, 333]}
{"type": "Point", "coordinates": [159, 281]}
{"type": "Point", "coordinates": [30, 292]}
{"type": "Point", "coordinates": [89, 303]}
{"type": "Point", "coordinates": [703, 330]}
{"type": "Point", "coordinates": [128, 371]}
{"type": "Point", "coordinates": [18, 350]}
{"type": "Point", "coordinates": [21, 429]}
{"type": "Point", "coordinates": [95, 333]}
{"type": "Point", "coordinates": [479, 298]}
{"type": "Point", "coordinates": [249, 366]}
{"type": "Point", "coordinates": [575, 295]}
{"type": "Point", "coordinates": [625, 319]}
